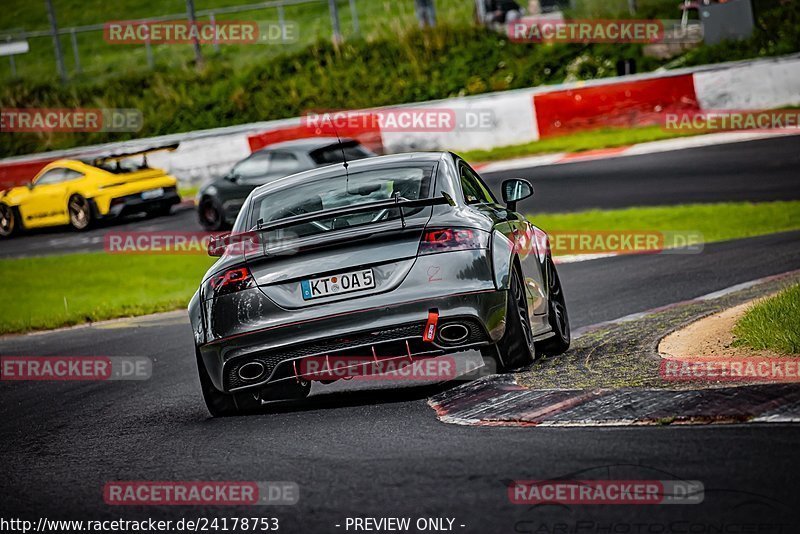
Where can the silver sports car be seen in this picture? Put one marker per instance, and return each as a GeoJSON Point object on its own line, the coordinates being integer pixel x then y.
{"type": "Point", "coordinates": [394, 258]}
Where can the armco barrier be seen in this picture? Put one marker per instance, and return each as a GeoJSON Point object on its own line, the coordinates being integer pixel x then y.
{"type": "Point", "coordinates": [519, 116]}
{"type": "Point", "coordinates": [614, 105]}
{"type": "Point", "coordinates": [366, 132]}
{"type": "Point", "coordinates": [17, 173]}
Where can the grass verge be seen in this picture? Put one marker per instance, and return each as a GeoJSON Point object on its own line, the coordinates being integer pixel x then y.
{"type": "Point", "coordinates": [716, 222]}
{"type": "Point", "coordinates": [773, 324]}
{"type": "Point", "coordinates": [579, 142]}
{"type": "Point", "coordinates": [53, 291]}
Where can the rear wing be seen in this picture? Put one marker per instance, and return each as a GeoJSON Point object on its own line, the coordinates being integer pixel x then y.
{"type": "Point", "coordinates": [394, 203]}
{"type": "Point", "coordinates": [98, 159]}
{"type": "Point", "coordinates": [218, 244]}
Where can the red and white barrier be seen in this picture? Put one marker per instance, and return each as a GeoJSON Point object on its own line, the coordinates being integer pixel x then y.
{"type": "Point", "coordinates": [517, 117]}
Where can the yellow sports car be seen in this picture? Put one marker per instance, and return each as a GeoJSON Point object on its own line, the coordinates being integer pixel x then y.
{"type": "Point", "coordinates": [79, 192]}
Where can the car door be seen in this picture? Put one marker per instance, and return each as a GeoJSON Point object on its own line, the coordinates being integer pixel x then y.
{"type": "Point", "coordinates": [516, 228]}
{"type": "Point", "coordinates": [44, 206]}
{"type": "Point", "coordinates": [242, 179]}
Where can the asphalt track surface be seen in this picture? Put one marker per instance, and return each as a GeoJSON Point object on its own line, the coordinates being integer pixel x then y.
{"type": "Point", "coordinates": [377, 449]}
{"type": "Point", "coordinates": [760, 170]}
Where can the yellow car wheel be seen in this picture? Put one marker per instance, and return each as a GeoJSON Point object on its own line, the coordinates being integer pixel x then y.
{"type": "Point", "coordinates": [8, 220]}
{"type": "Point", "coordinates": [80, 212]}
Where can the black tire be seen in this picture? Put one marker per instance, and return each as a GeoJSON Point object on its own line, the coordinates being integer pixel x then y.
{"type": "Point", "coordinates": [211, 215]}
{"type": "Point", "coordinates": [9, 220]}
{"type": "Point", "coordinates": [516, 348]}
{"type": "Point", "coordinates": [221, 404]}
{"type": "Point", "coordinates": [556, 315]}
{"type": "Point", "coordinates": [80, 212]}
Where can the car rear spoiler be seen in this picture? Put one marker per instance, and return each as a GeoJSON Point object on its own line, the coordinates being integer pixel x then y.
{"type": "Point", "coordinates": [394, 203]}
{"type": "Point", "coordinates": [218, 244]}
{"type": "Point", "coordinates": [112, 156]}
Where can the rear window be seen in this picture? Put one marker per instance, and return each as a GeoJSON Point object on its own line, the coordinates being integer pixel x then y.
{"type": "Point", "coordinates": [333, 154]}
{"type": "Point", "coordinates": [360, 187]}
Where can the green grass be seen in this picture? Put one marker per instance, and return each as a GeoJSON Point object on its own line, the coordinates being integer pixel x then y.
{"type": "Point", "coordinates": [53, 291]}
{"type": "Point", "coordinates": [773, 324]}
{"type": "Point", "coordinates": [579, 142]}
{"type": "Point", "coordinates": [376, 19]}
{"type": "Point", "coordinates": [716, 222]}
{"type": "Point", "coordinates": [188, 192]}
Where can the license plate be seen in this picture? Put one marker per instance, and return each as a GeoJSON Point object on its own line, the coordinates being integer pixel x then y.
{"type": "Point", "coordinates": [153, 193]}
{"type": "Point", "coordinates": [337, 284]}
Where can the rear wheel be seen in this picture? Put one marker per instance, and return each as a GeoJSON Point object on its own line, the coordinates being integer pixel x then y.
{"type": "Point", "coordinates": [221, 404]}
{"type": "Point", "coordinates": [515, 349]}
{"type": "Point", "coordinates": [556, 315]}
{"type": "Point", "coordinates": [80, 212]}
{"type": "Point", "coordinates": [211, 215]}
{"type": "Point", "coordinates": [8, 220]}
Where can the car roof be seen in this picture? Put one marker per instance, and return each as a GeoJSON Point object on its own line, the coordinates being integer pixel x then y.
{"type": "Point", "coordinates": [308, 143]}
{"type": "Point", "coordinates": [360, 164]}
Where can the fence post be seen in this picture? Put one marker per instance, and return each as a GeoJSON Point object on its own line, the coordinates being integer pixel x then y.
{"type": "Point", "coordinates": [51, 15]}
{"type": "Point", "coordinates": [149, 51]}
{"type": "Point", "coordinates": [75, 52]}
{"type": "Point", "coordinates": [334, 9]}
{"type": "Point", "coordinates": [11, 63]}
{"type": "Point", "coordinates": [354, 15]}
{"type": "Point", "coordinates": [282, 22]}
{"type": "Point", "coordinates": [214, 25]}
{"type": "Point", "coordinates": [198, 54]}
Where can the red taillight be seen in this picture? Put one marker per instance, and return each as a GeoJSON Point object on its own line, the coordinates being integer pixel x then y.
{"type": "Point", "coordinates": [231, 281]}
{"type": "Point", "coordinates": [448, 239]}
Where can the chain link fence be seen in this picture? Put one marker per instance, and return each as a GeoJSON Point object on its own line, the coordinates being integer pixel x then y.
{"type": "Point", "coordinates": [77, 51]}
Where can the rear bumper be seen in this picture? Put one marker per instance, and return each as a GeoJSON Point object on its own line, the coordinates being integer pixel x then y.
{"type": "Point", "coordinates": [130, 204]}
{"type": "Point", "coordinates": [394, 331]}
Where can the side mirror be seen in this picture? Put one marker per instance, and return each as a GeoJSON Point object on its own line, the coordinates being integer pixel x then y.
{"type": "Point", "coordinates": [217, 245]}
{"type": "Point", "coordinates": [514, 190]}
{"type": "Point", "coordinates": [30, 186]}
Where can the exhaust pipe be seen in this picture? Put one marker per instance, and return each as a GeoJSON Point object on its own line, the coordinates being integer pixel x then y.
{"type": "Point", "coordinates": [251, 371]}
{"type": "Point", "coordinates": [453, 333]}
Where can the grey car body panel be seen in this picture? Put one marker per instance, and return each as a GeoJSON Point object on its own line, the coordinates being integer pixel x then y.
{"type": "Point", "coordinates": [463, 283]}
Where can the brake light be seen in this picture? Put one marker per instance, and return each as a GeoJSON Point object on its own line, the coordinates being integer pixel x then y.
{"type": "Point", "coordinates": [449, 239]}
{"type": "Point", "coordinates": [231, 281]}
